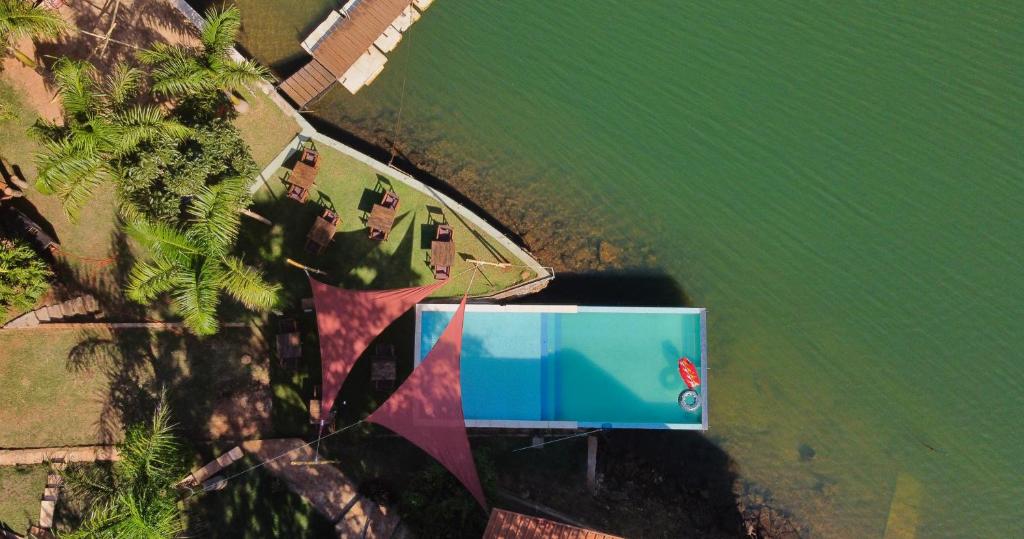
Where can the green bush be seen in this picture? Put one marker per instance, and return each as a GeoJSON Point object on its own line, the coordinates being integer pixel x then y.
{"type": "Point", "coordinates": [24, 275]}
{"type": "Point", "coordinates": [162, 175]}
{"type": "Point", "coordinates": [435, 504]}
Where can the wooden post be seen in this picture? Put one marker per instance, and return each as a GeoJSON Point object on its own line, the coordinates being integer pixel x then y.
{"type": "Point", "coordinates": [592, 464]}
{"type": "Point", "coordinates": [291, 262]}
{"type": "Point", "coordinates": [485, 263]}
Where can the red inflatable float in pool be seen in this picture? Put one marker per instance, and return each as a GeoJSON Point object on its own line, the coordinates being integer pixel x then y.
{"type": "Point", "coordinates": [688, 372]}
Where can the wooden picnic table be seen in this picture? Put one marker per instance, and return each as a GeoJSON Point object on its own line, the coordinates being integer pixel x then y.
{"type": "Point", "coordinates": [442, 253]}
{"type": "Point", "coordinates": [381, 219]}
{"type": "Point", "coordinates": [303, 176]}
{"type": "Point", "coordinates": [322, 231]}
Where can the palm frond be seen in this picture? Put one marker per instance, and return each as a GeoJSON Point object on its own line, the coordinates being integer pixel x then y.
{"type": "Point", "coordinates": [220, 30]}
{"type": "Point", "coordinates": [163, 52]}
{"type": "Point", "coordinates": [150, 454]}
{"type": "Point", "coordinates": [87, 480]}
{"type": "Point", "coordinates": [233, 75]}
{"type": "Point", "coordinates": [72, 173]}
{"type": "Point", "coordinates": [20, 19]}
{"type": "Point", "coordinates": [214, 215]}
{"type": "Point", "coordinates": [44, 130]}
{"type": "Point", "coordinates": [247, 285]}
{"type": "Point", "coordinates": [148, 280]}
{"type": "Point", "coordinates": [102, 521]}
{"type": "Point", "coordinates": [138, 499]}
{"type": "Point", "coordinates": [145, 123]}
{"type": "Point", "coordinates": [76, 86]}
{"type": "Point", "coordinates": [123, 84]}
{"type": "Point", "coordinates": [177, 70]}
{"type": "Point", "coordinates": [163, 240]}
{"type": "Point", "coordinates": [196, 298]}
{"type": "Point", "coordinates": [182, 76]}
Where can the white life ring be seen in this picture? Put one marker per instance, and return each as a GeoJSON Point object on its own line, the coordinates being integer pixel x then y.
{"type": "Point", "coordinates": [689, 400]}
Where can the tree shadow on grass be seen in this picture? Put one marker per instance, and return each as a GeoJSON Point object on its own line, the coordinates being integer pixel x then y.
{"type": "Point", "coordinates": [255, 505]}
{"type": "Point", "coordinates": [142, 24]}
{"type": "Point", "coordinates": [104, 279]}
{"type": "Point", "coordinates": [202, 378]}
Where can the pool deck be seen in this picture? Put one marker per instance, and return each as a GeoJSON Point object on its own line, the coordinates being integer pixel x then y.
{"type": "Point", "coordinates": [543, 368]}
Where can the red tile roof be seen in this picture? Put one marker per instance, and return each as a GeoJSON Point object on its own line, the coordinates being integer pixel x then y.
{"type": "Point", "coordinates": [508, 525]}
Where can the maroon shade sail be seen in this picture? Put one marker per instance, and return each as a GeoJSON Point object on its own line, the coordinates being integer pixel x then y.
{"type": "Point", "coordinates": [349, 320]}
{"type": "Point", "coordinates": [427, 408]}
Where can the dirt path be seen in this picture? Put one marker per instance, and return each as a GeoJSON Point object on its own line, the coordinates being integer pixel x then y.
{"type": "Point", "coordinates": [87, 453]}
{"type": "Point", "coordinates": [324, 486]}
{"type": "Point", "coordinates": [140, 23]}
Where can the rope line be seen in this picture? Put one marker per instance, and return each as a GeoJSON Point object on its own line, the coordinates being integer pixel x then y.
{"type": "Point", "coordinates": [401, 102]}
{"type": "Point", "coordinates": [282, 455]}
{"type": "Point", "coordinates": [101, 262]}
{"type": "Point", "coordinates": [555, 441]}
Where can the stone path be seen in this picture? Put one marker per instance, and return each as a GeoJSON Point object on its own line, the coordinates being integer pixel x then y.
{"type": "Point", "coordinates": [86, 453]}
{"type": "Point", "coordinates": [330, 492]}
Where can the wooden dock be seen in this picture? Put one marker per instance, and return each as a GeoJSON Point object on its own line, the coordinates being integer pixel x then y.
{"type": "Point", "coordinates": [345, 51]}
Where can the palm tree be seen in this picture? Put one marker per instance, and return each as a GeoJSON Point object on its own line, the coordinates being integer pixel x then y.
{"type": "Point", "coordinates": [195, 265]}
{"type": "Point", "coordinates": [20, 19]}
{"type": "Point", "coordinates": [102, 125]}
{"type": "Point", "coordinates": [137, 497]}
{"type": "Point", "coordinates": [189, 71]}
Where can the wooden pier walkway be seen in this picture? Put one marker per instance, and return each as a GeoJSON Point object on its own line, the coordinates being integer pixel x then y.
{"type": "Point", "coordinates": [346, 53]}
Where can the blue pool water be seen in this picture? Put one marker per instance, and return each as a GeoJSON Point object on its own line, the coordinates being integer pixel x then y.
{"type": "Point", "coordinates": [569, 367]}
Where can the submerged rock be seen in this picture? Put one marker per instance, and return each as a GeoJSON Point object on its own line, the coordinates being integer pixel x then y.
{"type": "Point", "coordinates": [806, 452]}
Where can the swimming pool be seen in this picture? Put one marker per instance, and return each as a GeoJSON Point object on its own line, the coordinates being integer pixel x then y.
{"type": "Point", "coordinates": [553, 366]}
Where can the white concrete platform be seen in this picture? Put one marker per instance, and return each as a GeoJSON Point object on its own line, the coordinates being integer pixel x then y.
{"type": "Point", "coordinates": [422, 5]}
{"type": "Point", "coordinates": [364, 71]}
{"type": "Point", "coordinates": [388, 40]}
{"type": "Point", "coordinates": [405, 20]}
{"type": "Point", "coordinates": [312, 41]}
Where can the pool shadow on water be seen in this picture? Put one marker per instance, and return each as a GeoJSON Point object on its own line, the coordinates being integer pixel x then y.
{"type": "Point", "coordinates": [613, 288]}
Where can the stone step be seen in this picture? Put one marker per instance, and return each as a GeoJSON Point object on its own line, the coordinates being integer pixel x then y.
{"type": "Point", "coordinates": [46, 509]}
{"type": "Point", "coordinates": [54, 480]}
{"type": "Point", "coordinates": [26, 320]}
{"type": "Point", "coordinates": [43, 314]}
{"type": "Point", "coordinates": [55, 313]}
{"type": "Point", "coordinates": [91, 305]}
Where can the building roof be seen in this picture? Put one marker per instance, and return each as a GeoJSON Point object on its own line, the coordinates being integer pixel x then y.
{"type": "Point", "coordinates": [508, 525]}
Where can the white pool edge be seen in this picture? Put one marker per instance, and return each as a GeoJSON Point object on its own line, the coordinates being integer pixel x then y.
{"type": "Point", "coordinates": [575, 425]}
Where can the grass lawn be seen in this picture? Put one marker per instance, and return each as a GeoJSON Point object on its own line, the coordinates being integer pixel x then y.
{"type": "Point", "coordinates": [90, 236]}
{"type": "Point", "coordinates": [355, 261]}
{"type": "Point", "coordinates": [265, 128]}
{"type": "Point", "coordinates": [255, 505]}
{"type": "Point", "coordinates": [74, 387]}
{"type": "Point", "coordinates": [20, 490]}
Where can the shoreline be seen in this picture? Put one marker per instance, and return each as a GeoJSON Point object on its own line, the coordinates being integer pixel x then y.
{"type": "Point", "coordinates": [760, 518]}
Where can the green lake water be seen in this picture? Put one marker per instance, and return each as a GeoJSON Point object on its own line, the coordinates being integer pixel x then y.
{"type": "Point", "coordinates": [841, 184]}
